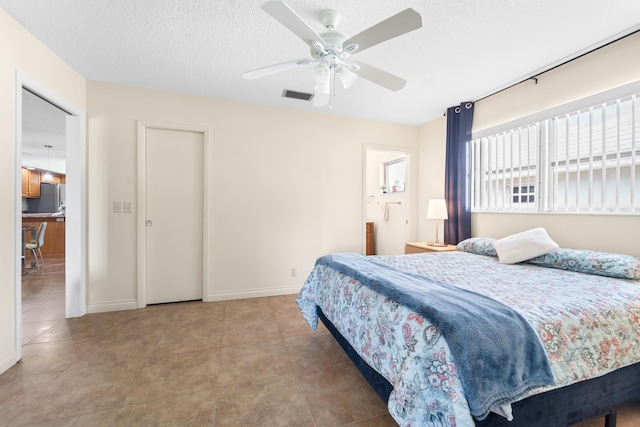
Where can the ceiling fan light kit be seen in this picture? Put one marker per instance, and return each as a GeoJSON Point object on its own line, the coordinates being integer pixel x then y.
{"type": "Point", "coordinates": [331, 49]}
{"type": "Point", "coordinates": [347, 77]}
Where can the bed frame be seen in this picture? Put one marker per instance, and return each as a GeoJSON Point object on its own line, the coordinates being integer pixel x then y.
{"type": "Point", "coordinates": [555, 408]}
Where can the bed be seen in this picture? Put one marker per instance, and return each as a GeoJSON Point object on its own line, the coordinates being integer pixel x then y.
{"type": "Point", "coordinates": [583, 308]}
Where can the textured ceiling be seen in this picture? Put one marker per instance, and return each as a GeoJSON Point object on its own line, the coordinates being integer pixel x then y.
{"type": "Point", "coordinates": [466, 48]}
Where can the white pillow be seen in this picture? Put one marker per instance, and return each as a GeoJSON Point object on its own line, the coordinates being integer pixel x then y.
{"type": "Point", "coordinates": [523, 246]}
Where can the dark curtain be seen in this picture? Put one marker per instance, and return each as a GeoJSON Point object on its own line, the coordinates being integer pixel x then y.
{"type": "Point", "coordinates": [457, 180]}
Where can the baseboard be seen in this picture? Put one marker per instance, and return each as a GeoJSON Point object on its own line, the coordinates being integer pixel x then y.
{"type": "Point", "coordinates": [251, 293]}
{"type": "Point", "coordinates": [7, 361]}
{"type": "Point", "coordinates": [112, 306]}
{"type": "Point", "coordinates": [212, 296]}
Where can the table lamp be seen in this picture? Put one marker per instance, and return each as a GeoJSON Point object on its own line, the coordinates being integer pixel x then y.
{"type": "Point", "coordinates": [437, 210]}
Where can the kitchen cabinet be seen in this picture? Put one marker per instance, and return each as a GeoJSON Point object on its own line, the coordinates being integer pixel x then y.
{"type": "Point", "coordinates": [31, 182]}
{"type": "Point", "coordinates": [25, 182]}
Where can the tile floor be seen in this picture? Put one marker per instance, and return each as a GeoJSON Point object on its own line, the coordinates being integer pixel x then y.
{"type": "Point", "coordinates": [185, 364]}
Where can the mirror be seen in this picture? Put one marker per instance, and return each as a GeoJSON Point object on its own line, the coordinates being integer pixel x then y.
{"type": "Point", "coordinates": [394, 175]}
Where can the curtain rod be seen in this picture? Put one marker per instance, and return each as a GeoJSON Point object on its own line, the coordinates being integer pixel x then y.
{"type": "Point", "coordinates": [535, 76]}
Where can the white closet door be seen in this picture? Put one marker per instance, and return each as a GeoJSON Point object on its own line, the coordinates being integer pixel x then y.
{"type": "Point", "coordinates": [174, 215]}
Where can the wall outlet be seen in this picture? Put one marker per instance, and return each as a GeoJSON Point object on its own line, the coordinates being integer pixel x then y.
{"type": "Point", "coordinates": [293, 272]}
{"type": "Point", "coordinates": [117, 207]}
{"type": "Point", "coordinates": [126, 207]}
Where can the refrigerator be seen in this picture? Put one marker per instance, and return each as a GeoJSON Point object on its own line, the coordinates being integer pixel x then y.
{"type": "Point", "coordinates": [52, 196]}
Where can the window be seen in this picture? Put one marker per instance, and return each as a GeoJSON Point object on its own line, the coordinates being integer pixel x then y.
{"type": "Point", "coordinates": [504, 170]}
{"type": "Point", "coordinates": [524, 194]}
{"type": "Point", "coordinates": [586, 160]}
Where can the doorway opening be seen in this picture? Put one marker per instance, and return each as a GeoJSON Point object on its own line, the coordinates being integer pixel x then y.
{"type": "Point", "coordinates": [43, 169]}
{"type": "Point", "coordinates": [62, 129]}
{"type": "Point", "coordinates": [389, 197]}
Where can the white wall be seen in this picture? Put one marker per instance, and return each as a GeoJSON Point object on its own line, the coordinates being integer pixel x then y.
{"type": "Point", "coordinates": [286, 187]}
{"type": "Point", "coordinates": [609, 67]}
{"type": "Point", "coordinates": [19, 50]}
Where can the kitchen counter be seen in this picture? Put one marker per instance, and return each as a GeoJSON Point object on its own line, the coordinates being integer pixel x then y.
{"type": "Point", "coordinates": [41, 215]}
{"type": "Point", "coordinates": [54, 236]}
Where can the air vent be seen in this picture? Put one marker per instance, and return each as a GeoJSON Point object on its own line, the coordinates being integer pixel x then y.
{"type": "Point", "coordinates": [297, 95]}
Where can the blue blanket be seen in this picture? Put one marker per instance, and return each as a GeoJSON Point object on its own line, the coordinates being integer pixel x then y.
{"type": "Point", "coordinates": [499, 356]}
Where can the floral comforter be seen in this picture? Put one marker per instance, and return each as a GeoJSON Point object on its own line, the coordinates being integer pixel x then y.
{"type": "Point", "coordinates": [588, 324]}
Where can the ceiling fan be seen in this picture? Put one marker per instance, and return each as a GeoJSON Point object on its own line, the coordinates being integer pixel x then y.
{"type": "Point", "coordinates": [331, 49]}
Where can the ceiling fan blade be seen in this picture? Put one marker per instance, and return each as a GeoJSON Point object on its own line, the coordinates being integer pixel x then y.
{"type": "Point", "coordinates": [272, 69]}
{"type": "Point", "coordinates": [397, 25]}
{"type": "Point", "coordinates": [380, 77]}
{"type": "Point", "coordinates": [280, 11]}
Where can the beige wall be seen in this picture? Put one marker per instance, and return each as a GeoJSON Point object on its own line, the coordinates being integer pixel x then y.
{"type": "Point", "coordinates": [286, 187]}
{"type": "Point", "coordinates": [19, 50]}
{"type": "Point", "coordinates": [431, 160]}
{"type": "Point", "coordinates": [608, 233]}
{"type": "Point", "coordinates": [610, 67]}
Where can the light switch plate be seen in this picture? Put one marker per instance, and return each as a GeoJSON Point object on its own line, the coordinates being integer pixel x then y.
{"type": "Point", "coordinates": [126, 207]}
{"type": "Point", "coordinates": [117, 207]}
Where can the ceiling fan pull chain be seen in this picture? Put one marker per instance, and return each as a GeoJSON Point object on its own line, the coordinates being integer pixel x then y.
{"type": "Point", "coordinates": [333, 80]}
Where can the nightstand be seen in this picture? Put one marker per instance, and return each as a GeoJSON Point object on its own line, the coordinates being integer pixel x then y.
{"type": "Point", "coordinates": [420, 247]}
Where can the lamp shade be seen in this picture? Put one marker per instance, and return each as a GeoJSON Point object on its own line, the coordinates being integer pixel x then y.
{"type": "Point", "coordinates": [437, 209]}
